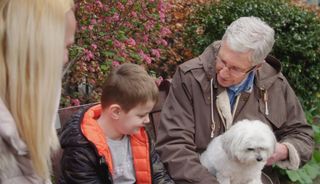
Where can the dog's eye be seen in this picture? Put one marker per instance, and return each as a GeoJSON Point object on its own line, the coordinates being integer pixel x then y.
{"type": "Point", "coordinates": [250, 149]}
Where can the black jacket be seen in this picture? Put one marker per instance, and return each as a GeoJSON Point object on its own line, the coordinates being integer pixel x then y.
{"type": "Point", "coordinates": [81, 162]}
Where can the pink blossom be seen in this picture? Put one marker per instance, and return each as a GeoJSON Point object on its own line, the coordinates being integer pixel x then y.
{"type": "Point", "coordinates": [75, 102]}
{"type": "Point", "coordinates": [131, 42]}
{"type": "Point", "coordinates": [88, 8]}
{"type": "Point", "coordinates": [161, 6]}
{"type": "Point", "coordinates": [165, 32]}
{"type": "Point", "coordinates": [109, 21]}
{"type": "Point", "coordinates": [115, 63]}
{"type": "Point", "coordinates": [123, 54]}
{"type": "Point", "coordinates": [129, 2]}
{"type": "Point", "coordinates": [142, 16]}
{"type": "Point", "coordinates": [134, 14]}
{"type": "Point", "coordinates": [145, 38]}
{"type": "Point", "coordinates": [88, 55]}
{"type": "Point", "coordinates": [156, 53]}
{"type": "Point", "coordinates": [145, 57]}
{"type": "Point", "coordinates": [162, 16]}
{"type": "Point", "coordinates": [90, 27]}
{"type": "Point", "coordinates": [118, 44]}
{"type": "Point", "coordinates": [99, 4]}
{"type": "Point", "coordinates": [93, 21]}
{"type": "Point", "coordinates": [120, 6]}
{"type": "Point", "coordinates": [162, 42]}
{"type": "Point", "coordinates": [128, 25]}
{"type": "Point", "coordinates": [149, 25]}
{"type": "Point", "coordinates": [94, 46]}
{"type": "Point", "coordinates": [91, 69]}
{"type": "Point", "coordinates": [159, 80]}
{"type": "Point", "coordinates": [116, 17]}
{"type": "Point", "coordinates": [92, 81]}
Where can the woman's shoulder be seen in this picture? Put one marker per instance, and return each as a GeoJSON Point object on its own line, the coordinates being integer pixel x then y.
{"type": "Point", "coordinates": [15, 168]}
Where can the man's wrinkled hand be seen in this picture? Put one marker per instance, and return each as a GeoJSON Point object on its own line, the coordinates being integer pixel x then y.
{"type": "Point", "coordinates": [280, 153]}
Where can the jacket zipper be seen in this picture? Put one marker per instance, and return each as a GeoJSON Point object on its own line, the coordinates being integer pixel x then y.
{"type": "Point", "coordinates": [150, 156]}
{"type": "Point", "coordinates": [102, 161]}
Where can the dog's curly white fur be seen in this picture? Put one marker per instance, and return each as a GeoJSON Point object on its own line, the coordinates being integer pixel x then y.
{"type": "Point", "coordinates": [239, 155]}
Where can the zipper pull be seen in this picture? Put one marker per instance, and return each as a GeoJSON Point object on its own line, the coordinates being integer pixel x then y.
{"type": "Point", "coordinates": [213, 126]}
{"type": "Point", "coordinates": [102, 161]}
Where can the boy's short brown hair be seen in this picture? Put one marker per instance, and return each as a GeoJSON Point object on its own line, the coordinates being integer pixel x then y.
{"type": "Point", "coordinates": [128, 85]}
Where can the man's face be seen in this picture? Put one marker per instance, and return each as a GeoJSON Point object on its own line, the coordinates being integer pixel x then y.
{"type": "Point", "coordinates": [232, 66]}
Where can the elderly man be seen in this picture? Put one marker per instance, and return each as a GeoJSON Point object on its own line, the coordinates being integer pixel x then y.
{"type": "Point", "coordinates": [233, 79]}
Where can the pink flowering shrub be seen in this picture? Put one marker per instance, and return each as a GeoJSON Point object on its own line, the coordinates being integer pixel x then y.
{"type": "Point", "coordinates": [111, 32]}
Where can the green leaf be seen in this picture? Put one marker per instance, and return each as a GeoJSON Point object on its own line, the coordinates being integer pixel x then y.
{"type": "Point", "coordinates": [305, 178]}
{"type": "Point", "coordinates": [312, 170]}
{"type": "Point", "coordinates": [135, 56]}
{"type": "Point", "coordinates": [293, 176]}
{"type": "Point", "coordinates": [121, 59]}
{"type": "Point", "coordinates": [316, 156]}
{"type": "Point", "coordinates": [108, 53]}
{"type": "Point", "coordinates": [103, 67]}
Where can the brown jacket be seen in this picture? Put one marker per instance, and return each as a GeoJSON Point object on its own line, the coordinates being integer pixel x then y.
{"type": "Point", "coordinates": [185, 127]}
{"type": "Point", "coordinates": [15, 164]}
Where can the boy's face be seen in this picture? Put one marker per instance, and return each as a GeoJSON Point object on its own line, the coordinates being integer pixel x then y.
{"type": "Point", "coordinates": [130, 122]}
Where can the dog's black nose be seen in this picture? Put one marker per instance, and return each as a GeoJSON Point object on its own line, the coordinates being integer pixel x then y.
{"type": "Point", "coordinates": [259, 158]}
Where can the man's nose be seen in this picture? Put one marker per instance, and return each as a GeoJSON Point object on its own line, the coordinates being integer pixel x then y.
{"type": "Point", "coordinates": [224, 71]}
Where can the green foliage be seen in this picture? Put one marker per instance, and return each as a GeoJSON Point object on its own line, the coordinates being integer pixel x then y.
{"type": "Point", "coordinates": [297, 37]}
{"type": "Point", "coordinates": [310, 171]}
{"type": "Point", "coordinates": [307, 174]}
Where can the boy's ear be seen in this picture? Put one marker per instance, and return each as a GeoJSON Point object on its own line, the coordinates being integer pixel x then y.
{"type": "Point", "coordinates": [114, 111]}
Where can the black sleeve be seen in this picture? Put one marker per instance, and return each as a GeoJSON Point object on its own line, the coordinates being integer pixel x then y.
{"type": "Point", "coordinates": [79, 165]}
{"type": "Point", "coordinates": [159, 174]}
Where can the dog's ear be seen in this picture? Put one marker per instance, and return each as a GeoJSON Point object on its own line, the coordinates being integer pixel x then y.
{"type": "Point", "coordinates": [273, 139]}
{"type": "Point", "coordinates": [226, 140]}
{"type": "Point", "coordinates": [274, 143]}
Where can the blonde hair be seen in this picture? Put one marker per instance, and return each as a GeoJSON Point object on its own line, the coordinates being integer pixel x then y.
{"type": "Point", "coordinates": [128, 85]}
{"type": "Point", "coordinates": [31, 58]}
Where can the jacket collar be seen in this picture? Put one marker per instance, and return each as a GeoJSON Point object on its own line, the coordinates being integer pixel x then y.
{"type": "Point", "coordinates": [208, 59]}
{"type": "Point", "coordinates": [268, 73]}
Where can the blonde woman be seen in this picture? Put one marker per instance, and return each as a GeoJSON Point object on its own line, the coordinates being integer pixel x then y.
{"type": "Point", "coordinates": [34, 36]}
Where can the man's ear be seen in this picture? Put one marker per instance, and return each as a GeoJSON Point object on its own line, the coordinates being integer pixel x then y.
{"type": "Point", "coordinates": [115, 110]}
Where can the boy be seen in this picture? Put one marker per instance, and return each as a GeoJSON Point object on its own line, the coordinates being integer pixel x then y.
{"type": "Point", "coordinates": [107, 143]}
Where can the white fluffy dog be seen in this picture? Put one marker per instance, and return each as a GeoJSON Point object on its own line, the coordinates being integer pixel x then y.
{"type": "Point", "coordinates": [239, 155]}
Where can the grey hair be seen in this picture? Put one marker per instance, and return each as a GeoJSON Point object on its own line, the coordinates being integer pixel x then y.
{"type": "Point", "coordinates": [250, 34]}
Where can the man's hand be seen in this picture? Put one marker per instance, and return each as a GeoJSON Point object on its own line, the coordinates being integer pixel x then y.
{"type": "Point", "coordinates": [281, 153]}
